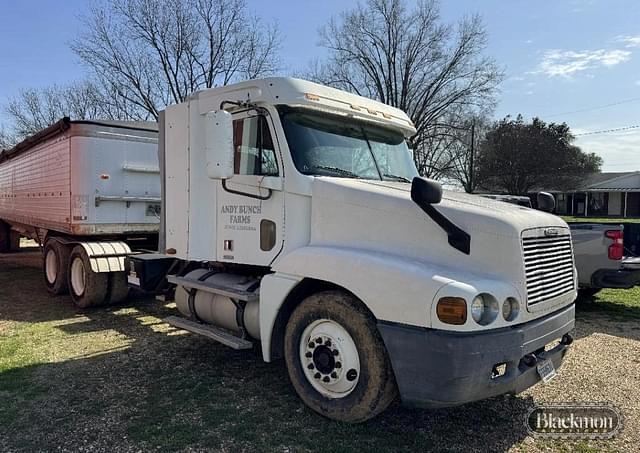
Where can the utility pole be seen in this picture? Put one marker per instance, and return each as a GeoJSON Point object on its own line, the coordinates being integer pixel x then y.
{"type": "Point", "coordinates": [472, 152]}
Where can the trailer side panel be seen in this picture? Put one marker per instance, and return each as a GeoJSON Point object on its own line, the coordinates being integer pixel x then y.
{"type": "Point", "coordinates": [35, 186]}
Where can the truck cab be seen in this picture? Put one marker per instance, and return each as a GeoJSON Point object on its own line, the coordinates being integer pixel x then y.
{"type": "Point", "coordinates": [294, 217]}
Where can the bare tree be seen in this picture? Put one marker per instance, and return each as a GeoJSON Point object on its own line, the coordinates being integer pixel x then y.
{"type": "Point", "coordinates": [469, 137]}
{"type": "Point", "coordinates": [34, 109]}
{"type": "Point", "coordinates": [151, 53]}
{"type": "Point", "coordinates": [411, 60]}
{"type": "Point", "coordinates": [6, 140]}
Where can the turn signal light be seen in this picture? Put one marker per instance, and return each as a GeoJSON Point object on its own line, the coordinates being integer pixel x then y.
{"type": "Point", "coordinates": [452, 310]}
{"type": "Point", "coordinates": [312, 97]}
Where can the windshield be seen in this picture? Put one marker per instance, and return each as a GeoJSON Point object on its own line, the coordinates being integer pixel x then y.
{"type": "Point", "coordinates": [335, 146]}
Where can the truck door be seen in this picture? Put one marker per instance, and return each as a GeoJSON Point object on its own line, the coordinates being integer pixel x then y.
{"type": "Point", "coordinates": [250, 205]}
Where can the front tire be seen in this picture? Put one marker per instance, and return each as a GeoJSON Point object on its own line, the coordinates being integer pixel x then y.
{"type": "Point", "coordinates": [336, 359]}
{"type": "Point", "coordinates": [56, 265]}
{"type": "Point", "coordinates": [87, 288]}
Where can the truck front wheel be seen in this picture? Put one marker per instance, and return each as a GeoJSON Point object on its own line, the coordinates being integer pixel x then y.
{"type": "Point", "coordinates": [87, 288]}
{"type": "Point", "coordinates": [56, 263]}
{"type": "Point", "coordinates": [336, 358]}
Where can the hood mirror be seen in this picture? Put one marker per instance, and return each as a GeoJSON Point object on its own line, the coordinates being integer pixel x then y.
{"type": "Point", "coordinates": [425, 191]}
{"type": "Point", "coordinates": [546, 202]}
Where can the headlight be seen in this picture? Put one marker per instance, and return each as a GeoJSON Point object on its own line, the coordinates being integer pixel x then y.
{"type": "Point", "coordinates": [477, 308]}
{"type": "Point", "coordinates": [510, 309]}
{"type": "Point", "coordinates": [484, 309]}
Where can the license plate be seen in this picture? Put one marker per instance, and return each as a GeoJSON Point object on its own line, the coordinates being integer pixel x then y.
{"type": "Point", "coordinates": [546, 370]}
{"type": "Point", "coordinates": [133, 280]}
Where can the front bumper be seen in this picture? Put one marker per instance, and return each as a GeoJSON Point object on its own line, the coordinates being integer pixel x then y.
{"type": "Point", "coordinates": [436, 368]}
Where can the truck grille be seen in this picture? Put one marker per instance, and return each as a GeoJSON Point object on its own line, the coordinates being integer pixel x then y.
{"type": "Point", "coordinates": [548, 264]}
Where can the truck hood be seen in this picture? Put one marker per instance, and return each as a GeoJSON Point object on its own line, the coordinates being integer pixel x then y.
{"type": "Point", "coordinates": [380, 216]}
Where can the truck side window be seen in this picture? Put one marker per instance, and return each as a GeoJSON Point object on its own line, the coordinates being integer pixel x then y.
{"type": "Point", "coordinates": [254, 151]}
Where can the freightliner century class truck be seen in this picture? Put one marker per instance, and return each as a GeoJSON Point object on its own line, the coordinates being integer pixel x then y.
{"type": "Point", "coordinates": [294, 218]}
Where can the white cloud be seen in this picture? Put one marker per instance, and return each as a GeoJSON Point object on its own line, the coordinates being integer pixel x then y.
{"type": "Point", "coordinates": [529, 41]}
{"type": "Point", "coordinates": [618, 150]}
{"type": "Point", "coordinates": [566, 63]}
{"type": "Point", "coordinates": [629, 41]}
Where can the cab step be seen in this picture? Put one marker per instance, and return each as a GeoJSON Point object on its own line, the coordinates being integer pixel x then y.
{"type": "Point", "coordinates": [213, 332]}
{"type": "Point", "coordinates": [223, 290]}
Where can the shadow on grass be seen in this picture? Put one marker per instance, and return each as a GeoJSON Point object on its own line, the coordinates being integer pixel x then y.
{"type": "Point", "coordinates": [612, 310]}
{"type": "Point", "coordinates": [161, 389]}
{"type": "Point", "coordinates": [172, 392]}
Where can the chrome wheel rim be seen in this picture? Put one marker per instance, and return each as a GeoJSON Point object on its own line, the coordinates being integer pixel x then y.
{"type": "Point", "coordinates": [329, 358]}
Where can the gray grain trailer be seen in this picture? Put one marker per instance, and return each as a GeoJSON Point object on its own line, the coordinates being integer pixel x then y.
{"type": "Point", "coordinates": [89, 193]}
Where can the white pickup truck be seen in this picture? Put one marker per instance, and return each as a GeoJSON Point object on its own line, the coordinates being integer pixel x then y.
{"type": "Point", "coordinates": [600, 258]}
{"type": "Point", "coordinates": [598, 249]}
{"type": "Point", "coordinates": [294, 218]}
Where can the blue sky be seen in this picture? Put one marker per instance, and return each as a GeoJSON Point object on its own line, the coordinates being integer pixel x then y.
{"type": "Point", "coordinates": [564, 60]}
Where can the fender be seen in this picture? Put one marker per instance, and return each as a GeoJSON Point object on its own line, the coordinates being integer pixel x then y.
{"type": "Point", "coordinates": [394, 288]}
{"type": "Point", "coordinates": [104, 256]}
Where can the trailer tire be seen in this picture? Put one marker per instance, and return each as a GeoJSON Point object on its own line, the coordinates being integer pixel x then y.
{"type": "Point", "coordinates": [9, 239]}
{"type": "Point", "coordinates": [118, 288]}
{"type": "Point", "coordinates": [56, 266]}
{"type": "Point", "coordinates": [87, 288]}
{"type": "Point", "coordinates": [329, 377]}
{"type": "Point", "coordinates": [5, 237]}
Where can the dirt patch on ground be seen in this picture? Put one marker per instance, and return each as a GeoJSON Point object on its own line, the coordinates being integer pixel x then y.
{"type": "Point", "coordinates": [119, 379]}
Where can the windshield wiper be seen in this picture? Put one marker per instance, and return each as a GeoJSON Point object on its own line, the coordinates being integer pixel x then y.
{"type": "Point", "coordinates": [340, 171]}
{"type": "Point", "coordinates": [396, 177]}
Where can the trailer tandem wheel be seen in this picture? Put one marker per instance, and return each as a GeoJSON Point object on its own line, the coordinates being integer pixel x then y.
{"type": "Point", "coordinates": [56, 267]}
{"type": "Point", "coordinates": [9, 240]}
{"type": "Point", "coordinates": [87, 288]}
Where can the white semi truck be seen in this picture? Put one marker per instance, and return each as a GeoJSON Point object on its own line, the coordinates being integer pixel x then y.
{"type": "Point", "coordinates": [294, 218]}
{"type": "Point", "coordinates": [88, 192]}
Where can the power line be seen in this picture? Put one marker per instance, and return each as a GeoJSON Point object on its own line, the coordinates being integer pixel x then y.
{"type": "Point", "coordinates": [606, 131]}
{"type": "Point", "coordinates": [597, 107]}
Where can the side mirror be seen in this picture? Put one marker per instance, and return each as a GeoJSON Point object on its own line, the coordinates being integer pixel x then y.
{"type": "Point", "coordinates": [218, 143]}
{"type": "Point", "coordinates": [425, 191]}
{"type": "Point", "coordinates": [546, 202]}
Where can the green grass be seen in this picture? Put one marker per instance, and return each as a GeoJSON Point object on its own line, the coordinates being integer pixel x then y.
{"type": "Point", "coordinates": [118, 378]}
{"type": "Point", "coordinates": [618, 220]}
{"type": "Point", "coordinates": [618, 304]}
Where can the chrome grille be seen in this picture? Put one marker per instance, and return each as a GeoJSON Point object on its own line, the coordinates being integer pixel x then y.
{"type": "Point", "coordinates": [548, 264]}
